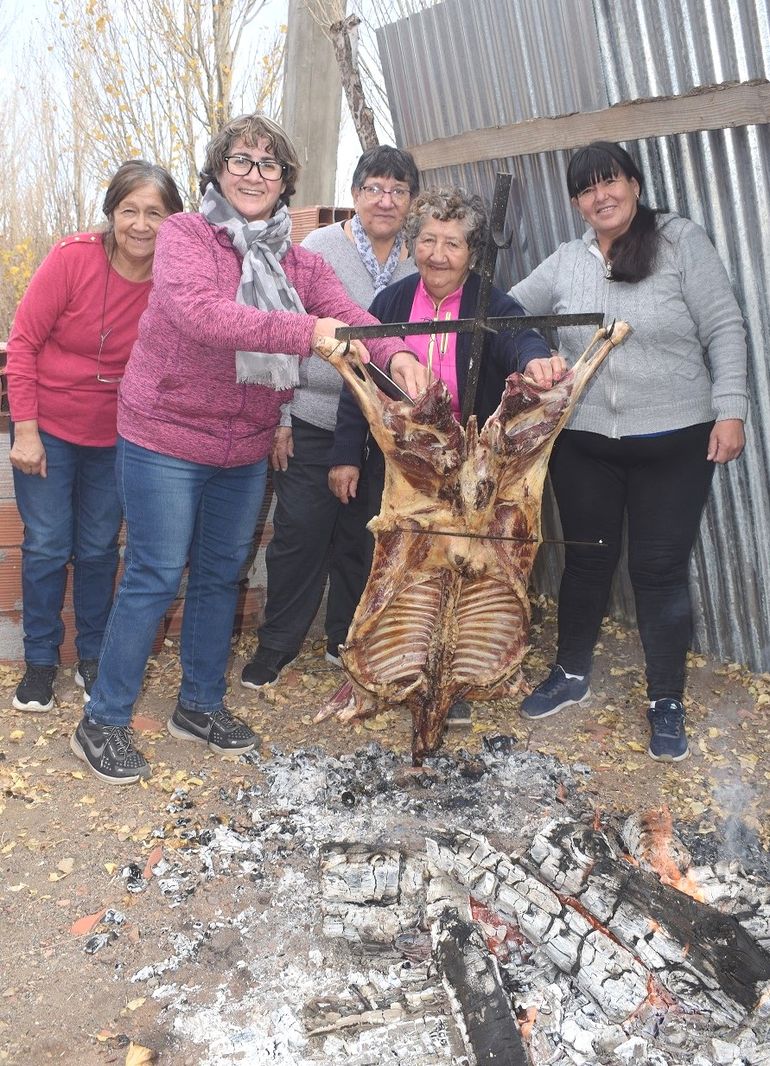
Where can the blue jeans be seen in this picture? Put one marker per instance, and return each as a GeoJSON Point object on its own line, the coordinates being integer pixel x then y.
{"type": "Point", "coordinates": [176, 511]}
{"type": "Point", "coordinates": [72, 514]}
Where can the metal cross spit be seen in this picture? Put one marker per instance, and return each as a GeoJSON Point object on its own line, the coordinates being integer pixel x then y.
{"type": "Point", "coordinates": [481, 323]}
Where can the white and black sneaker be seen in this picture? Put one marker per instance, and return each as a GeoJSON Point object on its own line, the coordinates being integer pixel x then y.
{"type": "Point", "coordinates": [221, 731]}
{"type": "Point", "coordinates": [85, 675]}
{"type": "Point", "coordinates": [35, 690]}
{"type": "Point", "coordinates": [109, 752]}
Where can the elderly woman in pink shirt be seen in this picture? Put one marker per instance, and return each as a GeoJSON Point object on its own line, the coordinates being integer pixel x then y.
{"type": "Point", "coordinates": [234, 307]}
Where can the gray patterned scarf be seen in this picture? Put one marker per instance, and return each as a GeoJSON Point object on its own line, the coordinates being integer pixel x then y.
{"type": "Point", "coordinates": [263, 283]}
{"type": "Point", "coordinates": [380, 273]}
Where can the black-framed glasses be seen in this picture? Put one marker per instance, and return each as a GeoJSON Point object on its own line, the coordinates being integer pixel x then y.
{"type": "Point", "coordinates": [373, 193]}
{"type": "Point", "coordinates": [269, 169]}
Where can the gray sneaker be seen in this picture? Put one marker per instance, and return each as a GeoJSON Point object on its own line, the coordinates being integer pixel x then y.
{"type": "Point", "coordinates": [109, 752]}
{"type": "Point", "coordinates": [220, 731]}
{"type": "Point", "coordinates": [554, 694]}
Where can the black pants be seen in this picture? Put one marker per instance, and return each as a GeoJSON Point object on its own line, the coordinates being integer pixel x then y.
{"type": "Point", "coordinates": [314, 536]}
{"type": "Point", "coordinates": [662, 482]}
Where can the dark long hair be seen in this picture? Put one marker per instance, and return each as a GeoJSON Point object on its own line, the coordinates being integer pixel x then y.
{"type": "Point", "coordinates": [633, 253]}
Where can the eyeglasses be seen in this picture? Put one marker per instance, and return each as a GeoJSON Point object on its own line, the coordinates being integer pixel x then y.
{"type": "Point", "coordinates": [373, 193]}
{"type": "Point", "coordinates": [269, 169]}
{"type": "Point", "coordinates": [99, 376]}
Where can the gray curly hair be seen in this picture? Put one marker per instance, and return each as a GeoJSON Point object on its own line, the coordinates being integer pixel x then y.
{"type": "Point", "coordinates": [447, 205]}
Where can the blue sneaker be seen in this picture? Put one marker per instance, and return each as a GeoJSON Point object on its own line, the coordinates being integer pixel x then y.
{"type": "Point", "coordinates": [668, 739]}
{"type": "Point", "coordinates": [554, 694]}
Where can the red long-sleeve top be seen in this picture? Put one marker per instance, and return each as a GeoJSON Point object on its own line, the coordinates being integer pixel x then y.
{"type": "Point", "coordinates": [53, 349]}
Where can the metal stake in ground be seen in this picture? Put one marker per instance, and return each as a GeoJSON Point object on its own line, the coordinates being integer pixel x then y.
{"type": "Point", "coordinates": [495, 241]}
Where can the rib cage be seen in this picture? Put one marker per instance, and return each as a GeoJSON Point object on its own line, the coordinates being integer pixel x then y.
{"type": "Point", "coordinates": [445, 612]}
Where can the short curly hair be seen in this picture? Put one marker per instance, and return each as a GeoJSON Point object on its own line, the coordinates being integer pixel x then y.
{"type": "Point", "coordinates": [250, 128]}
{"type": "Point", "coordinates": [447, 205]}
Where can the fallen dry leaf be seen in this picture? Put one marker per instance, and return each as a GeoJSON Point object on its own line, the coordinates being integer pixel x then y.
{"type": "Point", "coordinates": [138, 1055]}
{"type": "Point", "coordinates": [152, 859]}
{"type": "Point", "coordinates": [87, 923]}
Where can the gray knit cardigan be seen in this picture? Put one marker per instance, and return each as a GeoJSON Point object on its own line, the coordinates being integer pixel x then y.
{"type": "Point", "coordinates": [685, 361]}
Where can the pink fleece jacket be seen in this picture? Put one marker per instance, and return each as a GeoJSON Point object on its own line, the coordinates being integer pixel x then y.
{"type": "Point", "coordinates": [179, 395]}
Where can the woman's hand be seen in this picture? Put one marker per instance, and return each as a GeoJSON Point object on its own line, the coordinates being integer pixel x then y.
{"type": "Point", "coordinates": [410, 373]}
{"type": "Point", "coordinates": [546, 372]}
{"type": "Point", "coordinates": [726, 441]}
{"type": "Point", "coordinates": [326, 327]}
{"type": "Point", "coordinates": [343, 482]}
{"type": "Point", "coordinates": [282, 449]}
{"type": "Point", "coordinates": [28, 452]}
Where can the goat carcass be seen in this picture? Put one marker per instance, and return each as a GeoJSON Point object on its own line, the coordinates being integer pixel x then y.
{"type": "Point", "coordinates": [445, 612]}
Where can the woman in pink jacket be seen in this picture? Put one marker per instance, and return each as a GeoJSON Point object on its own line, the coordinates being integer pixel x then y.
{"type": "Point", "coordinates": [234, 306]}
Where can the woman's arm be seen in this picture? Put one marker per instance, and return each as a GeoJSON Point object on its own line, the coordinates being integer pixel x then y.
{"type": "Point", "coordinates": [44, 301]}
{"type": "Point", "coordinates": [527, 350]}
{"type": "Point", "coordinates": [712, 305]}
{"type": "Point", "coordinates": [327, 294]}
{"type": "Point", "coordinates": [536, 292]}
{"type": "Point", "coordinates": [188, 285]}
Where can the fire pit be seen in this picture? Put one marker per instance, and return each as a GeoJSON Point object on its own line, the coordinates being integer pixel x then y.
{"type": "Point", "coordinates": [480, 912]}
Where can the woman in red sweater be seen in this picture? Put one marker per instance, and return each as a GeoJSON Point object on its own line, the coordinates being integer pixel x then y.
{"type": "Point", "coordinates": [233, 309]}
{"type": "Point", "coordinates": [69, 344]}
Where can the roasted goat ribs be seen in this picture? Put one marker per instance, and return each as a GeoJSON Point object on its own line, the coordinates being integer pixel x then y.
{"type": "Point", "coordinates": [445, 613]}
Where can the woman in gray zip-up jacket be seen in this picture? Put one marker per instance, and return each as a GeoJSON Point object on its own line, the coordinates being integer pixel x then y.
{"type": "Point", "coordinates": [667, 405]}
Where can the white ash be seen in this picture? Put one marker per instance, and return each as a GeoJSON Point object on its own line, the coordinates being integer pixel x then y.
{"type": "Point", "coordinates": [284, 980]}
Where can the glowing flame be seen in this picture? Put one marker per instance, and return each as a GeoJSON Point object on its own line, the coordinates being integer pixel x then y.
{"type": "Point", "coordinates": [658, 835]}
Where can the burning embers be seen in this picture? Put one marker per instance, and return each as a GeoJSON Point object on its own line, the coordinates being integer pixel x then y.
{"type": "Point", "coordinates": [575, 950]}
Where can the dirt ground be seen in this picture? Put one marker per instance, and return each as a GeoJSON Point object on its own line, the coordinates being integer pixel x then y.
{"type": "Point", "coordinates": [67, 841]}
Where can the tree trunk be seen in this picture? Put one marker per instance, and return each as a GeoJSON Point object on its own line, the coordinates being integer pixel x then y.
{"type": "Point", "coordinates": [343, 34]}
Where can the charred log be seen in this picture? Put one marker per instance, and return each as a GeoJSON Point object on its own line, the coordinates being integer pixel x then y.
{"type": "Point", "coordinates": [703, 957]}
{"type": "Point", "coordinates": [472, 980]}
{"type": "Point", "coordinates": [600, 966]}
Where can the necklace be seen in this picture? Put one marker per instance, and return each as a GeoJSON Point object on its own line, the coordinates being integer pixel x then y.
{"type": "Point", "coordinates": [440, 343]}
{"type": "Point", "coordinates": [104, 333]}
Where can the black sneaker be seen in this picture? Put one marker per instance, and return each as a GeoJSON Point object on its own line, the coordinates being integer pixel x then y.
{"type": "Point", "coordinates": [668, 739]}
{"type": "Point", "coordinates": [333, 653]}
{"type": "Point", "coordinates": [85, 675]}
{"type": "Point", "coordinates": [265, 668]}
{"type": "Point", "coordinates": [220, 730]}
{"type": "Point", "coordinates": [459, 714]}
{"type": "Point", "coordinates": [35, 690]}
{"type": "Point", "coordinates": [554, 694]}
{"type": "Point", "coordinates": [109, 752]}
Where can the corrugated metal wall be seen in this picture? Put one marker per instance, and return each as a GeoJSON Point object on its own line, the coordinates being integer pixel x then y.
{"type": "Point", "coordinates": [462, 66]}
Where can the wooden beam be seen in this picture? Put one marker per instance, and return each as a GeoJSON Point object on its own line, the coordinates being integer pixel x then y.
{"type": "Point", "coordinates": [705, 108]}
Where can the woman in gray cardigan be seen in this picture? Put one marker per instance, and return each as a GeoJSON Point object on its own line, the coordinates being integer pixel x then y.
{"type": "Point", "coordinates": [646, 433]}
